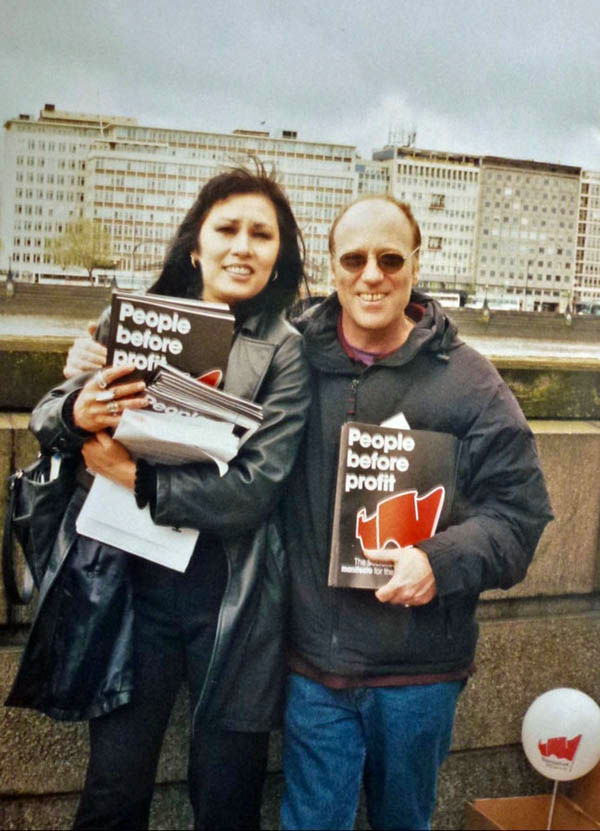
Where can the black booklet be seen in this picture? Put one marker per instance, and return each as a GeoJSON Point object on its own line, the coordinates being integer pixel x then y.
{"type": "Point", "coordinates": [151, 330]}
{"type": "Point", "coordinates": [394, 488]}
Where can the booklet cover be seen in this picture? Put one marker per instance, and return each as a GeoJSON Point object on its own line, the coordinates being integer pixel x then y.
{"type": "Point", "coordinates": [151, 330]}
{"type": "Point", "coordinates": [394, 488]}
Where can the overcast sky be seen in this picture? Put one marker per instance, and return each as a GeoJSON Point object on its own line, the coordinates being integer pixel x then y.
{"type": "Point", "coordinates": [517, 78]}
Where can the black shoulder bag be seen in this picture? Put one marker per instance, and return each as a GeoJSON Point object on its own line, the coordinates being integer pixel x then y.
{"type": "Point", "coordinates": [38, 496]}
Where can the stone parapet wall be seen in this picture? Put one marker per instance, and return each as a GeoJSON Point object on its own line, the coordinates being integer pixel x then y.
{"type": "Point", "coordinates": [67, 301]}
{"type": "Point", "coordinates": [548, 389]}
{"type": "Point", "coordinates": [545, 326]}
{"type": "Point", "coordinates": [541, 634]}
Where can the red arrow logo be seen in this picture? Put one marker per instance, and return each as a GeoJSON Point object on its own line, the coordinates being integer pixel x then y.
{"type": "Point", "coordinates": [402, 519]}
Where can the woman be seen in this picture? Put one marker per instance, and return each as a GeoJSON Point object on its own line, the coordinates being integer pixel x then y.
{"type": "Point", "coordinates": [115, 635]}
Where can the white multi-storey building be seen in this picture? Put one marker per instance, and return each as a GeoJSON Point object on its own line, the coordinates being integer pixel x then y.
{"type": "Point", "coordinates": [373, 177]}
{"type": "Point", "coordinates": [527, 232]}
{"type": "Point", "coordinates": [442, 189]}
{"type": "Point", "coordinates": [587, 259]}
{"type": "Point", "coordinates": [139, 181]}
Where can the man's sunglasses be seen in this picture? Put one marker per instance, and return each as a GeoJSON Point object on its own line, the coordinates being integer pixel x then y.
{"type": "Point", "coordinates": [389, 262]}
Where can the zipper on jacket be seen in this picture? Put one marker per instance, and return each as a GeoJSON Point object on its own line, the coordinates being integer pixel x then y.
{"type": "Point", "coordinates": [351, 411]}
{"type": "Point", "coordinates": [335, 597]}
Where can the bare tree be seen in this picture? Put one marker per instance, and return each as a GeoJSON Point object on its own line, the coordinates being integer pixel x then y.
{"type": "Point", "coordinates": [83, 243]}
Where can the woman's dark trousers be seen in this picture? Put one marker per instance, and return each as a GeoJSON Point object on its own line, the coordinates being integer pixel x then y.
{"type": "Point", "coordinates": [175, 624]}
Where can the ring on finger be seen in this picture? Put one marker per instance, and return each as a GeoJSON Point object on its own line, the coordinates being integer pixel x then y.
{"type": "Point", "coordinates": [101, 380]}
{"type": "Point", "coordinates": [113, 407]}
{"type": "Point", "coordinates": [105, 395]}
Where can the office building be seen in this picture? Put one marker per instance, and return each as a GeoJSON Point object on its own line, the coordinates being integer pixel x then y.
{"type": "Point", "coordinates": [522, 233]}
{"type": "Point", "coordinates": [138, 182]}
{"type": "Point", "coordinates": [442, 189]}
{"type": "Point", "coordinates": [587, 258]}
{"type": "Point", "coordinates": [527, 232]}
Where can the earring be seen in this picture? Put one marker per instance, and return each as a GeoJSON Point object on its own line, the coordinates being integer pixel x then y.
{"type": "Point", "coordinates": [193, 261]}
{"type": "Point", "coordinates": [274, 276]}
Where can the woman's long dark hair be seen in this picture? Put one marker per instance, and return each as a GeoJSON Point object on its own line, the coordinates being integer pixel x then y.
{"type": "Point", "coordinates": [179, 278]}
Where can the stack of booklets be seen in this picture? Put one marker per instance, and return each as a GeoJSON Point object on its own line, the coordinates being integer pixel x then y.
{"type": "Point", "coordinates": [187, 421]}
{"type": "Point", "coordinates": [395, 488]}
{"type": "Point", "coordinates": [172, 391]}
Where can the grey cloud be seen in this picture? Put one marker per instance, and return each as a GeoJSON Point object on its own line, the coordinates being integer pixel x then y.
{"type": "Point", "coordinates": [506, 77]}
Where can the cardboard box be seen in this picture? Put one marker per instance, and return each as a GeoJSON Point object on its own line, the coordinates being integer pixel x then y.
{"type": "Point", "coordinates": [577, 807]}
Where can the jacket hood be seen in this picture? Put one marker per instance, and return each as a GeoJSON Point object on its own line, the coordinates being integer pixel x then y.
{"type": "Point", "coordinates": [435, 333]}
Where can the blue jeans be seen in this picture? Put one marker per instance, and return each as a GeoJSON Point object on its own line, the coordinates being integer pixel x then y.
{"type": "Point", "coordinates": [396, 737]}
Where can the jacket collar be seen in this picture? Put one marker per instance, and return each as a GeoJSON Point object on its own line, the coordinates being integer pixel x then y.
{"type": "Point", "coordinates": [250, 357]}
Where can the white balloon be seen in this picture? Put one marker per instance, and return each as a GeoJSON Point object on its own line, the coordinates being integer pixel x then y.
{"type": "Point", "coordinates": [561, 733]}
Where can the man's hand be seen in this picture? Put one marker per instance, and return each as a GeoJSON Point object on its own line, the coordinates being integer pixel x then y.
{"type": "Point", "coordinates": [86, 354]}
{"type": "Point", "coordinates": [102, 454]}
{"type": "Point", "coordinates": [413, 583]}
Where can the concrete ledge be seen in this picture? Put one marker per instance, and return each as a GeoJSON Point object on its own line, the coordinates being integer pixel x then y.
{"type": "Point", "coordinates": [504, 324]}
{"type": "Point", "coordinates": [560, 392]}
{"type": "Point", "coordinates": [170, 809]}
{"type": "Point", "coordinates": [516, 661]}
{"type": "Point", "coordinates": [554, 388]}
{"type": "Point", "coordinates": [29, 367]}
{"type": "Point", "coordinates": [567, 557]}
{"type": "Point", "coordinates": [464, 777]}
{"type": "Point", "coordinates": [42, 756]}
{"type": "Point", "coordinates": [66, 301]}
{"type": "Point", "coordinates": [470, 775]}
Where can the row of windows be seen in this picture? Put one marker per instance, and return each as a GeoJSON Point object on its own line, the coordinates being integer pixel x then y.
{"type": "Point", "coordinates": [526, 178]}
{"type": "Point", "coordinates": [518, 233]}
{"type": "Point", "coordinates": [176, 178]}
{"type": "Point", "coordinates": [434, 172]}
{"type": "Point", "coordinates": [539, 277]}
{"type": "Point", "coordinates": [532, 193]}
{"type": "Point", "coordinates": [437, 268]}
{"type": "Point", "coordinates": [43, 161]}
{"type": "Point", "coordinates": [450, 227]}
{"type": "Point", "coordinates": [50, 179]}
{"type": "Point", "coordinates": [229, 141]}
{"type": "Point", "coordinates": [516, 206]}
{"type": "Point", "coordinates": [52, 146]}
{"type": "Point", "coordinates": [549, 250]}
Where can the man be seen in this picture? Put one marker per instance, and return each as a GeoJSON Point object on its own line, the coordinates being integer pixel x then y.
{"type": "Point", "coordinates": [376, 675]}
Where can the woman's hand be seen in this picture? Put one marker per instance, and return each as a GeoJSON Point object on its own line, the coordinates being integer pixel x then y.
{"type": "Point", "coordinates": [97, 407]}
{"type": "Point", "coordinates": [85, 354]}
{"type": "Point", "coordinates": [102, 454]}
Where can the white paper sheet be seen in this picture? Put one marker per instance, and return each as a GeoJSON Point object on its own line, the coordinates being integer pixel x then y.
{"type": "Point", "coordinates": [173, 439]}
{"type": "Point", "coordinates": [110, 514]}
{"type": "Point", "coordinates": [397, 422]}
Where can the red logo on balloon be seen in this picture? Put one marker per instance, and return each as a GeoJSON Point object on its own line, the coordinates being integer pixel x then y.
{"type": "Point", "coordinates": [561, 747]}
{"type": "Point", "coordinates": [403, 519]}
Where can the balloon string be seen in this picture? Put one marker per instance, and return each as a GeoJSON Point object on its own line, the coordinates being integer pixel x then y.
{"type": "Point", "coordinates": [551, 814]}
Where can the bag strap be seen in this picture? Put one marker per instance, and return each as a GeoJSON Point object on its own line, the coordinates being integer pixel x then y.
{"type": "Point", "coordinates": [18, 596]}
